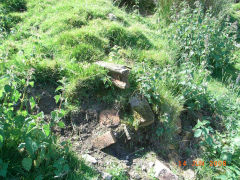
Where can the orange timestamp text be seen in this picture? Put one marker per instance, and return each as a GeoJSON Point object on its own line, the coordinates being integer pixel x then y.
{"type": "Point", "coordinates": [202, 163]}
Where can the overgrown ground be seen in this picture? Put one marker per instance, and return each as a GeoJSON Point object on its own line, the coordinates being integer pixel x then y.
{"type": "Point", "coordinates": [185, 61]}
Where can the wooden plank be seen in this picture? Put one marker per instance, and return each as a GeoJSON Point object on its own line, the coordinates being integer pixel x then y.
{"type": "Point", "coordinates": [117, 68]}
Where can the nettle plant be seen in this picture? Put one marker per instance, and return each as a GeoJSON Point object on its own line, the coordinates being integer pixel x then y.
{"type": "Point", "coordinates": [26, 141]}
{"type": "Point", "coordinates": [203, 36]}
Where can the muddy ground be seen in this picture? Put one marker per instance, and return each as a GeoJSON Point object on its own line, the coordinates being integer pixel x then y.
{"type": "Point", "coordinates": [135, 157]}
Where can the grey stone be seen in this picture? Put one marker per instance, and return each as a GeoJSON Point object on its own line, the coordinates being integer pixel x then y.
{"type": "Point", "coordinates": [151, 164]}
{"type": "Point", "coordinates": [89, 158]}
{"type": "Point", "coordinates": [106, 176]}
{"type": "Point", "coordinates": [189, 174]}
{"type": "Point", "coordinates": [112, 17]}
{"type": "Point", "coordinates": [140, 105]}
{"type": "Point", "coordinates": [163, 172]}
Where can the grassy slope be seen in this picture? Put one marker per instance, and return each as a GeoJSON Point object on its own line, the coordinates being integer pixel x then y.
{"type": "Point", "coordinates": [77, 33]}
{"type": "Point", "coordinates": [63, 39]}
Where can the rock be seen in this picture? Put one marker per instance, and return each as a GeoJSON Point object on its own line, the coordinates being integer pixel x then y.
{"type": "Point", "coordinates": [109, 118]}
{"type": "Point", "coordinates": [89, 158]}
{"type": "Point", "coordinates": [144, 168]}
{"type": "Point", "coordinates": [151, 164]}
{"type": "Point", "coordinates": [187, 135]}
{"type": "Point", "coordinates": [112, 17]}
{"type": "Point", "coordinates": [140, 105]}
{"type": "Point", "coordinates": [163, 172]}
{"type": "Point", "coordinates": [127, 132]}
{"type": "Point", "coordinates": [189, 174]}
{"type": "Point", "coordinates": [171, 146]}
{"type": "Point", "coordinates": [120, 84]}
{"type": "Point", "coordinates": [173, 157]}
{"type": "Point", "coordinates": [134, 175]}
{"type": "Point", "coordinates": [104, 140]}
{"type": "Point", "coordinates": [106, 176]}
{"type": "Point", "coordinates": [179, 126]}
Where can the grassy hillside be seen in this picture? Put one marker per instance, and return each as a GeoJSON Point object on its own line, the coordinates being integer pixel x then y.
{"type": "Point", "coordinates": [185, 61]}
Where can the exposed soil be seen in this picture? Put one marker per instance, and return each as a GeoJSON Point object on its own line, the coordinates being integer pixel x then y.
{"type": "Point", "coordinates": [134, 157]}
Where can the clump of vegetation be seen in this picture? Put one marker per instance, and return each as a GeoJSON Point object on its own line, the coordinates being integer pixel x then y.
{"type": "Point", "coordinates": [204, 37]}
{"type": "Point", "coordinates": [14, 5]}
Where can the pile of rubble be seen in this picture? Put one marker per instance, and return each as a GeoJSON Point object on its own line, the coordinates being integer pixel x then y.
{"type": "Point", "coordinates": [109, 121]}
{"type": "Point", "coordinates": [110, 118]}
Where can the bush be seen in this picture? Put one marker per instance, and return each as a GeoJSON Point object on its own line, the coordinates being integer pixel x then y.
{"type": "Point", "coordinates": [27, 145]}
{"type": "Point", "coordinates": [14, 5]}
{"type": "Point", "coordinates": [7, 21]}
{"type": "Point", "coordinates": [164, 7]}
{"type": "Point", "coordinates": [203, 37]}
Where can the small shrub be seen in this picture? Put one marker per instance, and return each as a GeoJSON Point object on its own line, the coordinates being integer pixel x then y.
{"type": "Point", "coordinates": [203, 37]}
{"type": "Point", "coordinates": [14, 5]}
{"type": "Point", "coordinates": [26, 140]}
{"type": "Point", "coordinates": [7, 22]}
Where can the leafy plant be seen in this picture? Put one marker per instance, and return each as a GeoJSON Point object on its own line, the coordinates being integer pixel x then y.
{"type": "Point", "coordinates": [29, 136]}
{"type": "Point", "coordinates": [204, 37]}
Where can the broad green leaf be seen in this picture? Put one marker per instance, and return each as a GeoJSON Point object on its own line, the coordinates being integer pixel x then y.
{"type": "Point", "coordinates": [1, 141]}
{"type": "Point", "coordinates": [226, 156]}
{"type": "Point", "coordinates": [40, 177]}
{"type": "Point", "coordinates": [7, 88]}
{"type": "Point", "coordinates": [197, 133]}
{"type": "Point", "coordinates": [61, 124]}
{"type": "Point", "coordinates": [222, 177]}
{"type": "Point", "coordinates": [19, 121]}
{"type": "Point", "coordinates": [1, 93]}
{"type": "Point", "coordinates": [17, 95]}
{"type": "Point", "coordinates": [31, 126]}
{"type": "Point", "coordinates": [31, 146]}
{"type": "Point", "coordinates": [27, 163]}
{"type": "Point", "coordinates": [32, 102]}
{"type": "Point", "coordinates": [31, 83]}
{"type": "Point", "coordinates": [23, 81]}
{"type": "Point", "coordinates": [3, 168]}
{"type": "Point", "coordinates": [59, 88]}
{"type": "Point", "coordinates": [46, 129]}
{"type": "Point", "coordinates": [66, 168]}
{"type": "Point", "coordinates": [57, 98]}
{"type": "Point", "coordinates": [236, 141]}
{"type": "Point", "coordinates": [54, 115]}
